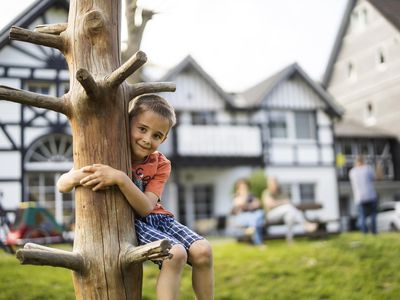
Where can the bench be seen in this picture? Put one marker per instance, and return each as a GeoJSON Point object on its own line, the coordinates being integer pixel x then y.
{"type": "Point", "coordinates": [321, 230]}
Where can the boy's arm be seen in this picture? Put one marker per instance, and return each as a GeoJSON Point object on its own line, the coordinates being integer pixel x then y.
{"type": "Point", "coordinates": [69, 180]}
{"type": "Point", "coordinates": [103, 176]}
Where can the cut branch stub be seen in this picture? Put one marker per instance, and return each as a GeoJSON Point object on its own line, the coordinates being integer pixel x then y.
{"type": "Point", "coordinates": [152, 251]}
{"type": "Point", "coordinates": [88, 83]}
{"type": "Point", "coordinates": [138, 89]}
{"type": "Point", "coordinates": [34, 99]}
{"type": "Point", "coordinates": [55, 29]}
{"type": "Point", "coordinates": [94, 21]}
{"type": "Point", "coordinates": [127, 69]}
{"type": "Point", "coordinates": [34, 254]}
{"type": "Point", "coordinates": [44, 39]}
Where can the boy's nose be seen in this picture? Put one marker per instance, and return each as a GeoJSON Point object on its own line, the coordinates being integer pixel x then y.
{"type": "Point", "coordinates": [146, 140]}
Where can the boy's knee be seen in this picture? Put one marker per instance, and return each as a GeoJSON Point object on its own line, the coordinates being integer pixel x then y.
{"type": "Point", "coordinates": [179, 255]}
{"type": "Point", "coordinates": [200, 253]}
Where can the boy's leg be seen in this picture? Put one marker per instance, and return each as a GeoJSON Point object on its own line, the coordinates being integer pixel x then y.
{"type": "Point", "coordinates": [200, 257]}
{"type": "Point", "coordinates": [169, 279]}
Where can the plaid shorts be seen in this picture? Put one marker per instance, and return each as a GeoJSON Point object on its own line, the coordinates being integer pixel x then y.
{"type": "Point", "coordinates": [156, 227]}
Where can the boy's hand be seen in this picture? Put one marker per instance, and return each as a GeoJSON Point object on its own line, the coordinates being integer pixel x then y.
{"type": "Point", "coordinates": [70, 180]}
{"type": "Point", "coordinates": [102, 177]}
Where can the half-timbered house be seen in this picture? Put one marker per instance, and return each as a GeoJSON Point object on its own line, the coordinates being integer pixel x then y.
{"type": "Point", "coordinates": [283, 124]}
{"type": "Point", "coordinates": [35, 144]}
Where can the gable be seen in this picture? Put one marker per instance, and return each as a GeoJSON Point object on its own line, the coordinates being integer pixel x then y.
{"type": "Point", "coordinates": [365, 23]}
{"type": "Point", "coordinates": [17, 53]}
{"type": "Point", "coordinates": [294, 94]}
{"type": "Point", "coordinates": [194, 92]}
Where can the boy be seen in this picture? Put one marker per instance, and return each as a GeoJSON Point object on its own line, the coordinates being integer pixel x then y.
{"type": "Point", "coordinates": [150, 119]}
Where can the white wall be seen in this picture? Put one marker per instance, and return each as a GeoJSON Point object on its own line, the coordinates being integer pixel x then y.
{"type": "Point", "coordinates": [11, 194]}
{"type": "Point", "coordinates": [326, 191]}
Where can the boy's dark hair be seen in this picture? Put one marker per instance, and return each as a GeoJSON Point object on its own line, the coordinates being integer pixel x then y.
{"type": "Point", "coordinates": [154, 103]}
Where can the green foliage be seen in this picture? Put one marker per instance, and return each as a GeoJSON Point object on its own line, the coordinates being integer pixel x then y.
{"type": "Point", "coordinates": [347, 266]}
{"type": "Point", "coordinates": [258, 182]}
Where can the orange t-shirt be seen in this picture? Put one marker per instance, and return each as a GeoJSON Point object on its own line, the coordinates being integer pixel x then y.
{"type": "Point", "coordinates": [151, 176]}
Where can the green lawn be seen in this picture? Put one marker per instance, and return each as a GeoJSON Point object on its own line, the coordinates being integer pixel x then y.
{"type": "Point", "coordinates": [349, 266]}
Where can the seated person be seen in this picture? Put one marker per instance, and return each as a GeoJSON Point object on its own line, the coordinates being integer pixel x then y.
{"type": "Point", "coordinates": [247, 212]}
{"type": "Point", "coordinates": [279, 209]}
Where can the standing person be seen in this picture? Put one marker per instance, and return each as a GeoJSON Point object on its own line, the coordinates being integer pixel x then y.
{"type": "Point", "coordinates": [151, 118]}
{"type": "Point", "coordinates": [247, 212]}
{"type": "Point", "coordinates": [280, 209]}
{"type": "Point", "coordinates": [362, 178]}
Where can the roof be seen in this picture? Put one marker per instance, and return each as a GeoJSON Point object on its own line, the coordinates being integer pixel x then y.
{"type": "Point", "coordinates": [26, 17]}
{"type": "Point", "coordinates": [352, 129]}
{"type": "Point", "coordinates": [389, 9]}
{"type": "Point", "coordinates": [257, 93]}
{"type": "Point", "coordinates": [189, 62]}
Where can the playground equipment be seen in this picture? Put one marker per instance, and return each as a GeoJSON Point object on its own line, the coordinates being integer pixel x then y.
{"type": "Point", "coordinates": [34, 224]}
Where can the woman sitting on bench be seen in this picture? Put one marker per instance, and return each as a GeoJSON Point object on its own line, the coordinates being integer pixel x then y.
{"type": "Point", "coordinates": [279, 209]}
{"type": "Point", "coordinates": [247, 213]}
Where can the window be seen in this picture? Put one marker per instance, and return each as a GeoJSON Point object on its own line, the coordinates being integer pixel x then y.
{"type": "Point", "coordinates": [278, 124]}
{"type": "Point", "coordinates": [45, 160]}
{"type": "Point", "coordinates": [40, 88]}
{"type": "Point", "coordinates": [286, 189]}
{"type": "Point", "coordinates": [307, 193]}
{"type": "Point", "coordinates": [203, 118]}
{"type": "Point", "coordinates": [351, 72]}
{"type": "Point", "coordinates": [381, 60]}
{"type": "Point", "coordinates": [42, 189]}
{"type": "Point", "coordinates": [292, 125]}
{"type": "Point", "coordinates": [369, 116]}
{"type": "Point", "coordinates": [305, 125]}
{"type": "Point", "coordinates": [182, 207]}
{"type": "Point", "coordinates": [203, 201]}
{"type": "Point", "coordinates": [381, 57]}
{"type": "Point", "coordinates": [359, 19]}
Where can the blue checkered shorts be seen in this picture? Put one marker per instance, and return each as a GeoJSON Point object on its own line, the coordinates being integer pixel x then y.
{"type": "Point", "coordinates": [156, 227]}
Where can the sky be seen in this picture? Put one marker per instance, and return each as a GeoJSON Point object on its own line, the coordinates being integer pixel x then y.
{"type": "Point", "coordinates": [238, 42]}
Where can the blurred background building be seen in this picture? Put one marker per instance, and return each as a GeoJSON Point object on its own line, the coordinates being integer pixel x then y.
{"type": "Point", "coordinates": [287, 125]}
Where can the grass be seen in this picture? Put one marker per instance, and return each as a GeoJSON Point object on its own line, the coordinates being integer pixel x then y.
{"type": "Point", "coordinates": [348, 266]}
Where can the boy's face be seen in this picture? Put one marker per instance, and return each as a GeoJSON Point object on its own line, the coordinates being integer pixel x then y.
{"type": "Point", "coordinates": [148, 131]}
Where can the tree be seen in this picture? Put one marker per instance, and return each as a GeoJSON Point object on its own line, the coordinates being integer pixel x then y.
{"type": "Point", "coordinates": [135, 31]}
{"type": "Point", "coordinates": [105, 262]}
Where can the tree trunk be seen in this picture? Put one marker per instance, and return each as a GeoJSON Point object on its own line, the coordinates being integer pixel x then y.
{"type": "Point", "coordinates": [105, 264]}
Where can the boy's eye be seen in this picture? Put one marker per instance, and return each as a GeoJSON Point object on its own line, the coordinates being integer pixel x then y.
{"type": "Point", "coordinates": [157, 137]}
{"type": "Point", "coordinates": [142, 129]}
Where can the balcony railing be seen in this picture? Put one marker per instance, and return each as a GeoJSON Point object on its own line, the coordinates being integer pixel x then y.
{"type": "Point", "coordinates": [219, 140]}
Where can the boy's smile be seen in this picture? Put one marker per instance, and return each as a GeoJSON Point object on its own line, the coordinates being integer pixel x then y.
{"type": "Point", "coordinates": [148, 131]}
